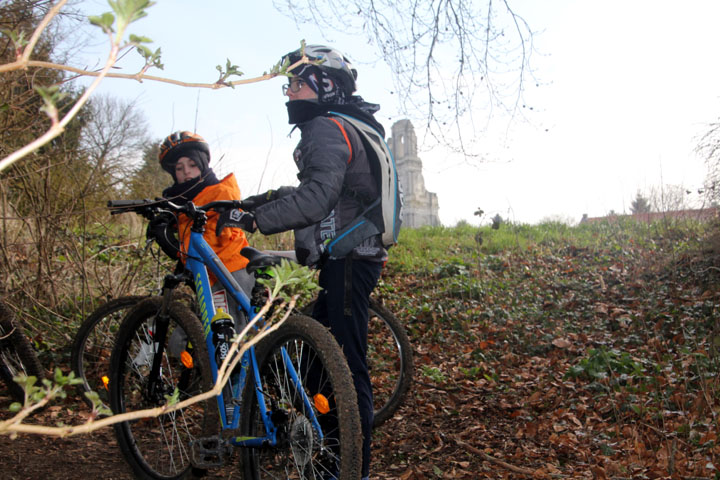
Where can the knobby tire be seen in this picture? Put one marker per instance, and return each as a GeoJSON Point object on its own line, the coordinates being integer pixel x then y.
{"type": "Point", "coordinates": [159, 447]}
{"type": "Point", "coordinates": [390, 361]}
{"type": "Point", "coordinates": [93, 344]}
{"type": "Point", "coordinates": [322, 367]}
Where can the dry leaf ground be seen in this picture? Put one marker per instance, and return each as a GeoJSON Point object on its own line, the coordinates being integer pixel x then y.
{"type": "Point", "coordinates": [550, 361]}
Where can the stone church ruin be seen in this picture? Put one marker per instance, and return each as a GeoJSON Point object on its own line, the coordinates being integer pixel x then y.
{"type": "Point", "coordinates": [420, 206]}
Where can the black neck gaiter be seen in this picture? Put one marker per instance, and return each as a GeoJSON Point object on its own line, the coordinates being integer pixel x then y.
{"type": "Point", "coordinates": [186, 191]}
{"type": "Point", "coordinates": [301, 111]}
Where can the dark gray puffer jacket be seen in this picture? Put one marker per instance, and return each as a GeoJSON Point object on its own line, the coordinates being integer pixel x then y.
{"type": "Point", "coordinates": [336, 185]}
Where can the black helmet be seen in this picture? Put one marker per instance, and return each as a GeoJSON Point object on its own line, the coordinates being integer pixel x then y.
{"type": "Point", "coordinates": [331, 62]}
{"type": "Point", "coordinates": [181, 144]}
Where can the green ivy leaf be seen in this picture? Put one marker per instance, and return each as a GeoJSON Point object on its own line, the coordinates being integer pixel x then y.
{"type": "Point", "coordinates": [103, 410]}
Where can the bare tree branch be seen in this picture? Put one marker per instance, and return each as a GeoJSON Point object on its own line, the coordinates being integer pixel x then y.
{"type": "Point", "coordinates": [445, 52]}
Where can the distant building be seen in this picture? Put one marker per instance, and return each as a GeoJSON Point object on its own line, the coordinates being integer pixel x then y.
{"type": "Point", "coordinates": [420, 206]}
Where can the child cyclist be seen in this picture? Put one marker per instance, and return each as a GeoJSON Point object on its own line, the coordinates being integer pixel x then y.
{"type": "Point", "coordinates": [186, 157]}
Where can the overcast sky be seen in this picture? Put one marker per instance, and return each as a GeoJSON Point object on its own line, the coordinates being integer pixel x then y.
{"type": "Point", "coordinates": [625, 88]}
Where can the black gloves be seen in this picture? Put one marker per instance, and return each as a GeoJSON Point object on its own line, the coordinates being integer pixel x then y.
{"type": "Point", "coordinates": [251, 203]}
{"type": "Point", "coordinates": [235, 219]}
{"type": "Point", "coordinates": [162, 229]}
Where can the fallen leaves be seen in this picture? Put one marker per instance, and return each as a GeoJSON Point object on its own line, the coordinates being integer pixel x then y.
{"type": "Point", "coordinates": [561, 343]}
{"type": "Point", "coordinates": [514, 346]}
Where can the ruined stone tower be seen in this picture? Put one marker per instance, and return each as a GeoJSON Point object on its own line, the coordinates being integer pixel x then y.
{"type": "Point", "coordinates": [420, 206]}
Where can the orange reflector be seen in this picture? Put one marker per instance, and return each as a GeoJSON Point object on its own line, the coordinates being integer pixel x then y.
{"type": "Point", "coordinates": [105, 381]}
{"type": "Point", "coordinates": [186, 359]}
{"type": "Point", "coordinates": [321, 403]}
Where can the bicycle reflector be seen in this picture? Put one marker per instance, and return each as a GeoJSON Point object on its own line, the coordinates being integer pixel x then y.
{"type": "Point", "coordinates": [105, 381]}
{"type": "Point", "coordinates": [186, 359]}
{"type": "Point", "coordinates": [321, 403]}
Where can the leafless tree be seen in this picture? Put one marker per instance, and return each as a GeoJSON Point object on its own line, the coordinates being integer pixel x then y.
{"type": "Point", "coordinates": [709, 149]}
{"type": "Point", "coordinates": [449, 58]}
{"type": "Point", "coordinates": [114, 138]}
{"type": "Point", "coordinates": [670, 198]}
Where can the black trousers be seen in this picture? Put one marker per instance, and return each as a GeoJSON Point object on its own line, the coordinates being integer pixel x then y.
{"type": "Point", "coordinates": [343, 307]}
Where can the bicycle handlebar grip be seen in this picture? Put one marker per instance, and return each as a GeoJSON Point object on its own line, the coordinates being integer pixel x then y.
{"type": "Point", "coordinates": [122, 206]}
{"type": "Point", "coordinates": [221, 205]}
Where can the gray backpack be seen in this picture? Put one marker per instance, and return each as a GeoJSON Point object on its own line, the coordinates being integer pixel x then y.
{"type": "Point", "coordinates": [383, 216]}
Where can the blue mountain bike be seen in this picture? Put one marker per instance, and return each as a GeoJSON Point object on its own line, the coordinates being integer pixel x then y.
{"type": "Point", "coordinates": [290, 407]}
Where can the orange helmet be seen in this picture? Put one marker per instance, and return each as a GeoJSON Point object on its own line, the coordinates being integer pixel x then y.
{"type": "Point", "coordinates": [176, 145]}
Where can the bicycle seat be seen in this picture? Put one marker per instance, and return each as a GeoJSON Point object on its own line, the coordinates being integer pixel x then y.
{"type": "Point", "coordinates": [259, 259]}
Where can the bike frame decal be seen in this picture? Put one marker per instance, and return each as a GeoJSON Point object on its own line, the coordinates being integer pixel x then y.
{"type": "Point", "coordinates": [204, 317]}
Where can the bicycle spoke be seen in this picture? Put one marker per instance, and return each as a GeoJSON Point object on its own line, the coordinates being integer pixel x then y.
{"type": "Point", "coordinates": [93, 343]}
{"type": "Point", "coordinates": [313, 441]}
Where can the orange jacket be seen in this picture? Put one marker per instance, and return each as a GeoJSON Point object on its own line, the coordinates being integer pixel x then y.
{"type": "Point", "coordinates": [231, 240]}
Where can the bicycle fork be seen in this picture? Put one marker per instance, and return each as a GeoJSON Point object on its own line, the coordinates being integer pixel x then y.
{"type": "Point", "coordinates": [273, 416]}
{"type": "Point", "coordinates": [162, 322]}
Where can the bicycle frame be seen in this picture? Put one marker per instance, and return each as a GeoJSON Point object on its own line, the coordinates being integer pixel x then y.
{"type": "Point", "coordinates": [200, 256]}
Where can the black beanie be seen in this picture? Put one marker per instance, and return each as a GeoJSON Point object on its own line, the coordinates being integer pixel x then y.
{"type": "Point", "coordinates": [192, 150]}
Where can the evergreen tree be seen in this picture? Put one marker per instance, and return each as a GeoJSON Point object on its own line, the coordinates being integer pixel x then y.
{"type": "Point", "coordinates": [640, 204]}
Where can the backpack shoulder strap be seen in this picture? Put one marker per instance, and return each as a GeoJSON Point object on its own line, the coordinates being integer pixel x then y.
{"type": "Point", "coordinates": [345, 135]}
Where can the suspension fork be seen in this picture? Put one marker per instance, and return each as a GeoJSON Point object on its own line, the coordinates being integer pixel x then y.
{"type": "Point", "coordinates": [298, 383]}
{"type": "Point", "coordinates": [162, 322]}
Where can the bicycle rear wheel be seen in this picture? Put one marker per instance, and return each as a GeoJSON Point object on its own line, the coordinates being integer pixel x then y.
{"type": "Point", "coordinates": [17, 354]}
{"type": "Point", "coordinates": [390, 362]}
{"type": "Point", "coordinates": [160, 447]}
{"type": "Point", "coordinates": [93, 345]}
{"type": "Point", "coordinates": [301, 452]}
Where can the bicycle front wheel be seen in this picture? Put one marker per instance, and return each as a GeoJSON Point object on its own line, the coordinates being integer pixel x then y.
{"type": "Point", "coordinates": [93, 345]}
{"type": "Point", "coordinates": [160, 447]}
{"type": "Point", "coordinates": [17, 354]}
{"type": "Point", "coordinates": [314, 413]}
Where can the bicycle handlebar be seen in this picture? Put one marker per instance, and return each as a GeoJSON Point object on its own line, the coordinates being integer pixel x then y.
{"type": "Point", "coordinates": [122, 206]}
{"type": "Point", "coordinates": [149, 208]}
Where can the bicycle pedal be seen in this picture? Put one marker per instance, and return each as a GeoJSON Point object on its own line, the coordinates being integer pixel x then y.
{"type": "Point", "coordinates": [209, 452]}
